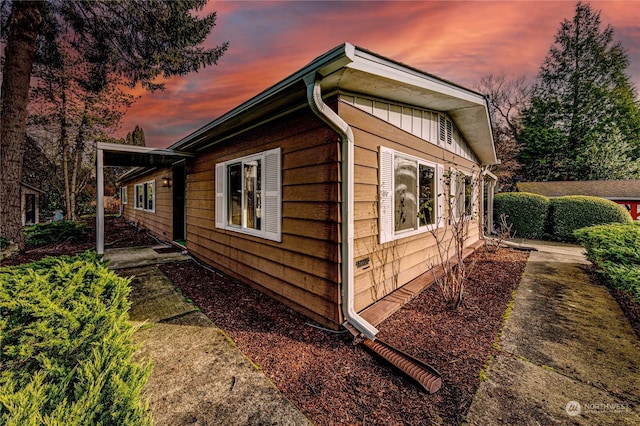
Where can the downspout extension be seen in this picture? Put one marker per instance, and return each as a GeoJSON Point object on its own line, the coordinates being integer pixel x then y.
{"type": "Point", "coordinates": [326, 114]}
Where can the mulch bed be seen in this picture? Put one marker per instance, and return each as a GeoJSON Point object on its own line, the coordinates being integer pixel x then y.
{"type": "Point", "coordinates": [332, 380]}
{"type": "Point", "coordinates": [117, 233]}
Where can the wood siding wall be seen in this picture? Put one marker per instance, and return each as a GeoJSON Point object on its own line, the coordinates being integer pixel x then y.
{"type": "Point", "coordinates": [395, 263]}
{"type": "Point", "coordinates": [302, 271]}
{"type": "Point", "coordinates": [160, 222]}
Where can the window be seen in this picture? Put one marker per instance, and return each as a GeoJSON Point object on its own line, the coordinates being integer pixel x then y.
{"type": "Point", "coordinates": [248, 195]}
{"type": "Point", "coordinates": [463, 193]}
{"type": "Point", "coordinates": [408, 194]}
{"type": "Point", "coordinates": [145, 196]}
{"type": "Point", "coordinates": [124, 195]}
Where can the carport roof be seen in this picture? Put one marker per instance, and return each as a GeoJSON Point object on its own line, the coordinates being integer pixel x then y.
{"type": "Point", "coordinates": [141, 156]}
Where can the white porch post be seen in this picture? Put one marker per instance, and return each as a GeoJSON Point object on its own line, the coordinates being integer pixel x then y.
{"type": "Point", "coordinates": [491, 184]}
{"type": "Point", "coordinates": [100, 201]}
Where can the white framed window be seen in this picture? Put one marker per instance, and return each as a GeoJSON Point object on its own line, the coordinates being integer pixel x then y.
{"type": "Point", "coordinates": [145, 194]}
{"type": "Point", "coordinates": [249, 195]}
{"type": "Point", "coordinates": [463, 194]}
{"type": "Point", "coordinates": [124, 195]}
{"type": "Point", "coordinates": [410, 199]}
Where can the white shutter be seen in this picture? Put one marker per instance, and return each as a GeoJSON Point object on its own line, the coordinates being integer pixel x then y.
{"type": "Point", "coordinates": [272, 207]}
{"type": "Point", "coordinates": [220, 204]}
{"type": "Point", "coordinates": [442, 197]}
{"type": "Point", "coordinates": [385, 194]}
{"type": "Point", "coordinates": [452, 198]}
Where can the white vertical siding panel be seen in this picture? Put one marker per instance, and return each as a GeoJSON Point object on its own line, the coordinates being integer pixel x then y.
{"type": "Point", "coordinates": [348, 99]}
{"type": "Point", "coordinates": [407, 119]}
{"type": "Point", "coordinates": [381, 110]}
{"type": "Point", "coordinates": [426, 126]}
{"type": "Point", "coordinates": [430, 126]}
{"type": "Point", "coordinates": [416, 128]}
{"type": "Point", "coordinates": [364, 104]}
{"type": "Point", "coordinates": [395, 115]}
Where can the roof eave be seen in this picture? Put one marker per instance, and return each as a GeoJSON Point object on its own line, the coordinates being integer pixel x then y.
{"type": "Point", "coordinates": [355, 69]}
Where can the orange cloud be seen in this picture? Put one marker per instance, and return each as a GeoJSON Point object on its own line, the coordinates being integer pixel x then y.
{"type": "Point", "coordinates": [458, 41]}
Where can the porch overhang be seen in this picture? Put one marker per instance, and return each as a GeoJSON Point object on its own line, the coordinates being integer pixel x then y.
{"type": "Point", "coordinates": [113, 154]}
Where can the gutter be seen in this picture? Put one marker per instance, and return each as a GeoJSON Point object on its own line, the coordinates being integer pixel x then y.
{"type": "Point", "coordinates": [326, 114]}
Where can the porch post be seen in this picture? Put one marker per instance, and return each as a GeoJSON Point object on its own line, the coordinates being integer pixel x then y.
{"type": "Point", "coordinates": [100, 201]}
{"type": "Point", "coordinates": [490, 189]}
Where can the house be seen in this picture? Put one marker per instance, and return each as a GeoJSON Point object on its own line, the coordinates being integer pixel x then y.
{"type": "Point", "coordinates": [310, 191]}
{"type": "Point", "coordinates": [624, 192]}
{"type": "Point", "coordinates": [30, 204]}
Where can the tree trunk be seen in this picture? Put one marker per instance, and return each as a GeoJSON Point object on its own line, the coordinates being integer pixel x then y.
{"type": "Point", "coordinates": [24, 23]}
{"type": "Point", "coordinates": [64, 150]}
{"type": "Point", "coordinates": [76, 164]}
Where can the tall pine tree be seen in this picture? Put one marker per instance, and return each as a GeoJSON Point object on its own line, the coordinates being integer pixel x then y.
{"type": "Point", "coordinates": [584, 110]}
{"type": "Point", "coordinates": [135, 41]}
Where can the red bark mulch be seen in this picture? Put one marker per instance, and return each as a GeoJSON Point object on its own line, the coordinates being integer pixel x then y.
{"type": "Point", "coordinates": [334, 381]}
{"type": "Point", "coordinates": [117, 233]}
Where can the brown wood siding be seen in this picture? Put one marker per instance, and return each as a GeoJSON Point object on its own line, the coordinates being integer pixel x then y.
{"type": "Point", "coordinates": [160, 222]}
{"type": "Point", "coordinates": [302, 271]}
{"type": "Point", "coordinates": [395, 263]}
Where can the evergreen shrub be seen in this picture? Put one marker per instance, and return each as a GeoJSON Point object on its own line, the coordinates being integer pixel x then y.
{"type": "Point", "coordinates": [615, 250]}
{"type": "Point", "coordinates": [66, 347]}
{"type": "Point", "coordinates": [527, 212]}
{"type": "Point", "coordinates": [53, 232]}
{"type": "Point", "coordinates": [570, 213]}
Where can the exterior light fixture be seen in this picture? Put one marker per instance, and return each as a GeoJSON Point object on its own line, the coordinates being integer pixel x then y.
{"type": "Point", "coordinates": [166, 182]}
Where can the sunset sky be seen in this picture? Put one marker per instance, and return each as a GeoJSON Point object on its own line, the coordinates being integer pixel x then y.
{"type": "Point", "coordinates": [457, 40]}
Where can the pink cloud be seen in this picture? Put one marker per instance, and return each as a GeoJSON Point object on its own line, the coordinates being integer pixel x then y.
{"type": "Point", "coordinates": [458, 41]}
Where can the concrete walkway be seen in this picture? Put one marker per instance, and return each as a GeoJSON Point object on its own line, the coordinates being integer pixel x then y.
{"type": "Point", "coordinates": [568, 355]}
{"type": "Point", "coordinates": [199, 376]}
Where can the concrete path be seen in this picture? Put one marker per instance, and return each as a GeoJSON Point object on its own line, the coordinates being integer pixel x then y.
{"type": "Point", "coordinates": [568, 355]}
{"type": "Point", "coordinates": [199, 376]}
{"type": "Point", "coordinates": [131, 257]}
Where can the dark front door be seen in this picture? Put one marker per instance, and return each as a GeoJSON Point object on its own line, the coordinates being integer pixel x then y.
{"type": "Point", "coordinates": [179, 189]}
{"type": "Point", "coordinates": [30, 208]}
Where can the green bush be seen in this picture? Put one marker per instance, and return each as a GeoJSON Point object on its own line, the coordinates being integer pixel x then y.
{"type": "Point", "coordinates": [53, 232]}
{"type": "Point", "coordinates": [569, 213]}
{"type": "Point", "coordinates": [615, 249]}
{"type": "Point", "coordinates": [527, 212]}
{"type": "Point", "coordinates": [4, 243]}
{"type": "Point", "coordinates": [66, 347]}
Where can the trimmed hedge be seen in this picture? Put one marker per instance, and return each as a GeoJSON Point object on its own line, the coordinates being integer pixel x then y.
{"type": "Point", "coordinates": [53, 232]}
{"type": "Point", "coordinates": [66, 347]}
{"type": "Point", "coordinates": [527, 212]}
{"type": "Point", "coordinates": [570, 213]}
{"type": "Point", "coordinates": [615, 249]}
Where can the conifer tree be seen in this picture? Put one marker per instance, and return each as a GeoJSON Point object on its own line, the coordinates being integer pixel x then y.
{"type": "Point", "coordinates": [582, 105]}
{"type": "Point", "coordinates": [130, 41]}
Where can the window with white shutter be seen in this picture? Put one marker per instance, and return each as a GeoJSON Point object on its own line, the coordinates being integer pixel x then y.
{"type": "Point", "coordinates": [248, 195]}
{"type": "Point", "coordinates": [409, 195]}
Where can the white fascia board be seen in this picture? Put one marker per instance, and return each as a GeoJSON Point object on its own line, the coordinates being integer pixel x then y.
{"type": "Point", "coordinates": [369, 63]}
{"type": "Point", "coordinates": [326, 64]}
{"type": "Point", "coordinates": [116, 147]}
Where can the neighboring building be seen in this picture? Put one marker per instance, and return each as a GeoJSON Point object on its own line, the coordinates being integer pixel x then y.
{"type": "Point", "coordinates": [30, 204]}
{"type": "Point", "coordinates": [310, 191]}
{"type": "Point", "coordinates": [624, 192]}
